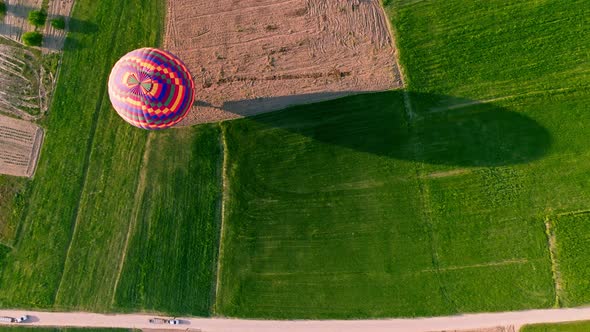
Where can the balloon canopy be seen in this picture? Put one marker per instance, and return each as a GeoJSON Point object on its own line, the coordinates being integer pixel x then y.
{"type": "Point", "coordinates": [151, 89]}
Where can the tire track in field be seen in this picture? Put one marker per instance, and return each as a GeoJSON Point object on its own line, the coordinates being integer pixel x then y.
{"type": "Point", "coordinates": [101, 97]}
{"type": "Point", "coordinates": [139, 193]}
{"type": "Point", "coordinates": [224, 199]}
{"type": "Point", "coordinates": [557, 281]}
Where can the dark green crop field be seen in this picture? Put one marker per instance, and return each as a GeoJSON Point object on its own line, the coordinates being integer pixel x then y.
{"type": "Point", "coordinates": [332, 213]}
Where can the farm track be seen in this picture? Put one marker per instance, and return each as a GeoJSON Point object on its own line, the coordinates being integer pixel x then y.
{"type": "Point", "coordinates": [502, 321]}
{"type": "Point", "coordinates": [224, 200]}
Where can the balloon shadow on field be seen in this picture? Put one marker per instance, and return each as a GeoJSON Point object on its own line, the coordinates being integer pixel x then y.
{"type": "Point", "coordinates": [440, 130]}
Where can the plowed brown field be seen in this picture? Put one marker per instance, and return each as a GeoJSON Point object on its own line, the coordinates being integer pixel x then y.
{"type": "Point", "coordinates": [255, 56]}
{"type": "Point", "coordinates": [20, 142]}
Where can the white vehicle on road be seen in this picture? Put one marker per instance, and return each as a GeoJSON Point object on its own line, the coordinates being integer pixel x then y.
{"type": "Point", "coordinates": [21, 319]}
{"type": "Point", "coordinates": [164, 321]}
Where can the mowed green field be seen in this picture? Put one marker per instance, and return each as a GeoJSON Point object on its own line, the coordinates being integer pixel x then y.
{"type": "Point", "coordinates": [364, 207]}
{"type": "Point", "coordinates": [558, 327]}
{"type": "Point", "coordinates": [170, 260]}
{"type": "Point", "coordinates": [100, 228]}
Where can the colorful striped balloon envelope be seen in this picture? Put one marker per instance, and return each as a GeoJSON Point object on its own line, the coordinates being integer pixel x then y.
{"type": "Point", "coordinates": [151, 89]}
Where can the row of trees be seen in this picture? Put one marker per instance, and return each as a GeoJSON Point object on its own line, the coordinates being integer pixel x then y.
{"type": "Point", "coordinates": [38, 18]}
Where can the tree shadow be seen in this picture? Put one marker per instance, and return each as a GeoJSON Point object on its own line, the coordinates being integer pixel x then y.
{"type": "Point", "coordinates": [55, 43]}
{"type": "Point", "coordinates": [81, 26]}
{"type": "Point", "coordinates": [464, 132]}
{"type": "Point", "coordinates": [9, 30]}
{"type": "Point", "coordinates": [18, 10]}
{"type": "Point", "coordinates": [73, 24]}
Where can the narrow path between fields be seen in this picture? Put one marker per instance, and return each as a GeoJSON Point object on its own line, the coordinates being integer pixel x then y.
{"type": "Point", "coordinates": [460, 322]}
{"type": "Point", "coordinates": [224, 199]}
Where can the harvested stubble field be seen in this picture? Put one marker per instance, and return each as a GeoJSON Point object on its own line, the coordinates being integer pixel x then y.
{"type": "Point", "coordinates": [20, 143]}
{"type": "Point", "coordinates": [255, 56]}
{"type": "Point", "coordinates": [25, 83]}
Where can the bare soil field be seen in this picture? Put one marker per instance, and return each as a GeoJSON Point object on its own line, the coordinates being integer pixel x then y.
{"type": "Point", "coordinates": [20, 143]}
{"type": "Point", "coordinates": [254, 56]}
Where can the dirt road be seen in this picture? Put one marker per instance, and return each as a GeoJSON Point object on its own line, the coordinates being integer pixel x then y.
{"type": "Point", "coordinates": [461, 322]}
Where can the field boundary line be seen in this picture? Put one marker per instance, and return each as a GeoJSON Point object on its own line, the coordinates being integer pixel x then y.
{"type": "Point", "coordinates": [224, 198]}
{"type": "Point", "coordinates": [557, 283]}
{"type": "Point", "coordinates": [87, 157]}
{"type": "Point", "coordinates": [573, 213]}
{"type": "Point", "coordinates": [139, 192]}
{"type": "Point", "coordinates": [491, 100]}
{"type": "Point", "coordinates": [399, 69]}
{"type": "Point", "coordinates": [499, 263]}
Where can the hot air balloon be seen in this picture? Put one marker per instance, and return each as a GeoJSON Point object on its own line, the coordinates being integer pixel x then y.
{"type": "Point", "coordinates": [151, 89]}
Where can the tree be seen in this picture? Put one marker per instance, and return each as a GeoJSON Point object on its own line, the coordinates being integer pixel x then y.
{"type": "Point", "coordinates": [2, 8]}
{"type": "Point", "coordinates": [37, 18]}
{"type": "Point", "coordinates": [58, 23]}
{"type": "Point", "coordinates": [33, 38]}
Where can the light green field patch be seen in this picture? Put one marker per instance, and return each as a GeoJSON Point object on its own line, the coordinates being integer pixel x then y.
{"type": "Point", "coordinates": [572, 235]}
{"type": "Point", "coordinates": [558, 327]}
{"type": "Point", "coordinates": [170, 262]}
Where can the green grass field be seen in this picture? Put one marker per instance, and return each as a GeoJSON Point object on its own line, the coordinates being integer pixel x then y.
{"type": "Point", "coordinates": [358, 207]}
{"type": "Point", "coordinates": [558, 327]}
{"type": "Point", "coordinates": [12, 192]}
{"type": "Point", "coordinates": [572, 234]}
{"type": "Point", "coordinates": [325, 218]}
{"type": "Point", "coordinates": [175, 235]}
{"type": "Point", "coordinates": [342, 209]}
{"type": "Point", "coordinates": [85, 209]}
